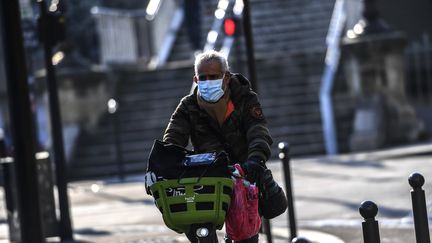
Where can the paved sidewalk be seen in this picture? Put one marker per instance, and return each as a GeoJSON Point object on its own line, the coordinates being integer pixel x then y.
{"type": "Point", "coordinates": [327, 191]}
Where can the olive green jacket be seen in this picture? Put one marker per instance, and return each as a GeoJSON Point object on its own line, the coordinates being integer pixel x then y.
{"type": "Point", "coordinates": [243, 134]}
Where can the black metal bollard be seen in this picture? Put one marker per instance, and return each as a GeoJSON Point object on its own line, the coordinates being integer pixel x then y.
{"type": "Point", "coordinates": [300, 240]}
{"type": "Point", "coordinates": [368, 211]}
{"type": "Point", "coordinates": [284, 156]}
{"type": "Point", "coordinates": [416, 180]}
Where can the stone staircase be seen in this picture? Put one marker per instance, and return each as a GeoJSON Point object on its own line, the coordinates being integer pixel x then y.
{"type": "Point", "coordinates": [289, 39]}
{"type": "Point", "coordinates": [146, 100]}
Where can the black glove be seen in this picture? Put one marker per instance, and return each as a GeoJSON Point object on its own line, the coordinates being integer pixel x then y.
{"type": "Point", "coordinates": [254, 168]}
{"type": "Point", "coordinates": [268, 184]}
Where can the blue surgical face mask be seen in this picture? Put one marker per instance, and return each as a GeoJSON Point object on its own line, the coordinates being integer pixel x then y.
{"type": "Point", "coordinates": [211, 90]}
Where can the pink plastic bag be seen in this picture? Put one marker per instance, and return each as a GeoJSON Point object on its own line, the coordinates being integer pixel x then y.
{"type": "Point", "coordinates": [243, 221]}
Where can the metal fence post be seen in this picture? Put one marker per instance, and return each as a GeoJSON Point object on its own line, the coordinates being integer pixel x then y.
{"type": "Point", "coordinates": [416, 180]}
{"type": "Point", "coordinates": [23, 131]}
{"type": "Point", "coordinates": [112, 109]}
{"type": "Point", "coordinates": [368, 211]}
{"type": "Point", "coordinates": [247, 28]}
{"type": "Point", "coordinates": [284, 156]}
{"type": "Point", "coordinates": [47, 35]}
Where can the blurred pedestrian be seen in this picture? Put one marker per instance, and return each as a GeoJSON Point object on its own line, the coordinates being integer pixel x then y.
{"type": "Point", "coordinates": [192, 12]}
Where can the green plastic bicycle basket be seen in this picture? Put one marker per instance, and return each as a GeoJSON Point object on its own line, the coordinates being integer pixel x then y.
{"type": "Point", "coordinates": [190, 201]}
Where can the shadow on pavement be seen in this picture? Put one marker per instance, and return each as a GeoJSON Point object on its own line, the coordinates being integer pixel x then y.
{"type": "Point", "coordinates": [90, 231]}
{"type": "Point", "coordinates": [383, 211]}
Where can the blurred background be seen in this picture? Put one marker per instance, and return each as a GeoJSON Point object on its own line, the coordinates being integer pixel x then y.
{"type": "Point", "coordinates": [139, 55]}
{"type": "Point", "coordinates": [334, 77]}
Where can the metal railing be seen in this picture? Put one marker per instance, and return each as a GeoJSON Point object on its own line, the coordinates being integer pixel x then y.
{"type": "Point", "coordinates": [419, 71]}
{"type": "Point", "coordinates": [138, 36]}
{"type": "Point", "coordinates": [147, 36]}
{"type": "Point", "coordinates": [118, 35]}
{"type": "Point", "coordinates": [337, 24]}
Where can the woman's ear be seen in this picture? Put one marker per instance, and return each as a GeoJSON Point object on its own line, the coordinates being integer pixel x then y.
{"type": "Point", "coordinates": [195, 79]}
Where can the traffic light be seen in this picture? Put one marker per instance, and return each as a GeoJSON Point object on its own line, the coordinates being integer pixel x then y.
{"type": "Point", "coordinates": [230, 26]}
